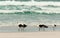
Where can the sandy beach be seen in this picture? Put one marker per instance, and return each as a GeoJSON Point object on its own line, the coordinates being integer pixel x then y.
{"type": "Point", "coordinates": [30, 35]}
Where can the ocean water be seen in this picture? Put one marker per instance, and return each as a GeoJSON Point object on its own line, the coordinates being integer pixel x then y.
{"type": "Point", "coordinates": [9, 21]}
{"type": "Point", "coordinates": [32, 13]}
{"type": "Point", "coordinates": [29, 18]}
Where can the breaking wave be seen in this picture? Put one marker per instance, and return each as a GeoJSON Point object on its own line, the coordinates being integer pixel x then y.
{"type": "Point", "coordinates": [30, 12]}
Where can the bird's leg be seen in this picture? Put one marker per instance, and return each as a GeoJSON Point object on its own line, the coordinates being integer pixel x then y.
{"type": "Point", "coordinates": [53, 28]}
{"type": "Point", "coordinates": [22, 29]}
{"type": "Point", "coordinates": [39, 28]}
{"type": "Point", "coordinates": [43, 28]}
{"type": "Point", "coordinates": [19, 29]}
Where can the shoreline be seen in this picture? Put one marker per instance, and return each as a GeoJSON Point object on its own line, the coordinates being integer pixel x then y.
{"type": "Point", "coordinates": [14, 29]}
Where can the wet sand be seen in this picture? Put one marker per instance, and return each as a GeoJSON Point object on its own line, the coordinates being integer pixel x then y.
{"type": "Point", "coordinates": [30, 35]}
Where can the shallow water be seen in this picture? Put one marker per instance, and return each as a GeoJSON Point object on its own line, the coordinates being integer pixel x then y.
{"type": "Point", "coordinates": [28, 29]}
{"type": "Point", "coordinates": [29, 19]}
{"type": "Point", "coordinates": [9, 22]}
